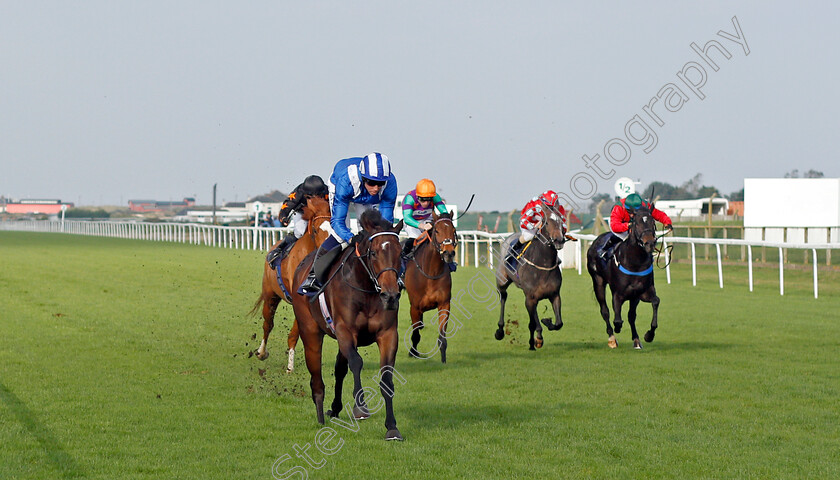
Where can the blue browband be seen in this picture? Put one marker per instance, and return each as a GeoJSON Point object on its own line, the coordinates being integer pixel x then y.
{"type": "Point", "coordinates": [643, 273]}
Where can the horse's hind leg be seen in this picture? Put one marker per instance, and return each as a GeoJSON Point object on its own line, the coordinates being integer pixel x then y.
{"type": "Point", "coordinates": [558, 320]}
{"type": "Point", "coordinates": [340, 373]}
{"type": "Point", "coordinates": [269, 307]}
{"type": "Point", "coordinates": [631, 317]}
{"type": "Point", "coordinates": [294, 334]}
{"type": "Point", "coordinates": [416, 326]}
{"type": "Point", "coordinates": [312, 351]}
{"type": "Point", "coordinates": [500, 333]}
{"type": "Point", "coordinates": [650, 296]}
{"type": "Point", "coordinates": [600, 288]}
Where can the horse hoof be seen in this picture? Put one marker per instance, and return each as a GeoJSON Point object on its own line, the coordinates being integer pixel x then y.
{"type": "Point", "coordinates": [612, 342]}
{"type": "Point", "coordinates": [262, 356]}
{"type": "Point", "coordinates": [361, 413]}
{"type": "Point", "coordinates": [412, 353]}
{"type": "Point", "coordinates": [393, 435]}
{"type": "Point", "coordinates": [617, 327]}
{"type": "Point", "coordinates": [637, 344]}
{"type": "Point", "coordinates": [500, 334]}
{"type": "Point", "coordinates": [538, 343]}
{"type": "Point", "coordinates": [649, 336]}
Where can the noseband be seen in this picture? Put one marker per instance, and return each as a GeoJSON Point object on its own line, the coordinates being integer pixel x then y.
{"type": "Point", "coordinates": [638, 236]}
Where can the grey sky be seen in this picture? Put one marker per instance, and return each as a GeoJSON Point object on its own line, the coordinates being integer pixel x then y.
{"type": "Point", "coordinates": [102, 102]}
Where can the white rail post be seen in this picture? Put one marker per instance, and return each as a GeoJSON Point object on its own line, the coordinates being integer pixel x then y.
{"type": "Point", "coordinates": [720, 266]}
{"type": "Point", "coordinates": [475, 260]}
{"type": "Point", "coordinates": [781, 272]}
{"type": "Point", "coordinates": [693, 265]}
{"type": "Point", "coordinates": [749, 265]}
{"type": "Point", "coordinates": [815, 272]}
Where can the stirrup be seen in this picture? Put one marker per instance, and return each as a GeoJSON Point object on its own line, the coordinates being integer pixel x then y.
{"type": "Point", "coordinates": [310, 286]}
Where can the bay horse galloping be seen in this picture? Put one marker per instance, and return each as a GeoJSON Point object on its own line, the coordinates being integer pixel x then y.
{"type": "Point", "coordinates": [428, 281]}
{"type": "Point", "coordinates": [537, 274]}
{"type": "Point", "coordinates": [629, 274]}
{"type": "Point", "coordinates": [361, 298]}
{"type": "Point", "coordinates": [315, 212]}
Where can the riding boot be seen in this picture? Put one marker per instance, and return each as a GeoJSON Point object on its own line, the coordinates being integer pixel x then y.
{"type": "Point", "coordinates": [609, 247]}
{"type": "Point", "coordinates": [283, 247]}
{"type": "Point", "coordinates": [510, 260]}
{"type": "Point", "coordinates": [328, 252]}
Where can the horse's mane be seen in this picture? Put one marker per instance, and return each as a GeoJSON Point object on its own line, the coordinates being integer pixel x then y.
{"type": "Point", "coordinates": [372, 221]}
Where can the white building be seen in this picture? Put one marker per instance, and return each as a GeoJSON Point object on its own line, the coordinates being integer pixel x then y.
{"type": "Point", "coordinates": [695, 208]}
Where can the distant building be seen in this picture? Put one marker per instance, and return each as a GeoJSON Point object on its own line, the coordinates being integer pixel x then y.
{"type": "Point", "coordinates": [694, 208]}
{"type": "Point", "coordinates": [159, 206]}
{"type": "Point", "coordinates": [35, 206]}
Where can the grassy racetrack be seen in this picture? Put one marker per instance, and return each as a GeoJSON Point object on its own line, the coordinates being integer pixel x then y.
{"type": "Point", "coordinates": [130, 359]}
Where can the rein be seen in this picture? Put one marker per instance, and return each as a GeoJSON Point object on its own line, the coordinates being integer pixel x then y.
{"type": "Point", "coordinates": [312, 229]}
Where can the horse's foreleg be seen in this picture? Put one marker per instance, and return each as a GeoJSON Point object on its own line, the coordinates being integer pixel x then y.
{"type": "Point", "coordinates": [600, 288]}
{"type": "Point", "coordinates": [416, 326]}
{"type": "Point", "coordinates": [500, 333]}
{"type": "Point", "coordinates": [269, 307]}
{"type": "Point", "coordinates": [443, 320]}
{"type": "Point", "coordinates": [312, 349]}
{"type": "Point", "coordinates": [617, 302]}
{"type": "Point", "coordinates": [558, 320]}
{"type": "Point", "coordinates": [388, 343]}
{"type": "Point", "coordinates": [654, 302]}
{"type": "Point", "coordinates": [340, 373]}
{"type": "Point", "coordinates": [533, 324]}
{"type": "Point", "coordinates": [354, 361]}
{"type": "Point", "coordinates": [631, 317]}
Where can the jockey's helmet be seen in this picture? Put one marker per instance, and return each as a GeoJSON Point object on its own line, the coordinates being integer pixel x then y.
{"type": "Point", "coordinates": [426, 188]}
{"type": "Point", "coordinates": [375, 167]}
{"type": "Point", "coordinates": [549, 197]}
{"type": "Point", "coordinates": [314, 185]}
{"type": "Point", "coordinates": [633, 201]}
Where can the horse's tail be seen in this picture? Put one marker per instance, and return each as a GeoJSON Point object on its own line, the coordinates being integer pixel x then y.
{"type": "Point", "coordinates": [257, 305]}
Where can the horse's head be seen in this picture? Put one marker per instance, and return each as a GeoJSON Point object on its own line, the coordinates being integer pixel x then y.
{"type": "Point", "coordinates": [643, 229]}
{"type": "Point", "coordinates": [380, 254]}
{"type": "Point", "coordinates": [443, 236]}
{"type": "Point", "coordinates": [317, 213]}
{"type": "Point", "coordinates": [553, 230]}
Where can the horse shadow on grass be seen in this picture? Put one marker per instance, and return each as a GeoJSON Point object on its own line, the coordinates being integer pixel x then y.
{"type": "Point", "coordinates": [54, 451]}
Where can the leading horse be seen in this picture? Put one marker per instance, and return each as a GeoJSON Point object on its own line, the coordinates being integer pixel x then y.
{"type": "Point", "coordinates": [315, 212]}
{"type": "Point", "coordinates": [537, 274]}
{"type": "Point", "coordinates": [360, 303]}
{"type": "Point", "coordinates": [629, 273]}
{"type": "Point", "coordinates": [428, 281]}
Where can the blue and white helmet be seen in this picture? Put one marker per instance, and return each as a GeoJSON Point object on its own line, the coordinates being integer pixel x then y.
{"type": "Point", "coordinates": [376, 167]}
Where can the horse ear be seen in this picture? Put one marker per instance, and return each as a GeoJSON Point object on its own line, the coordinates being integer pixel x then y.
{"type": "Point", "coordinates": [398, 227]}
{"type": "Point", "coordinates": [452, 214]}
{"type": "Point", "coordinates": [435, 215]}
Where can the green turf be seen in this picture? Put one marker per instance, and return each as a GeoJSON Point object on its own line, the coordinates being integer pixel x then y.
{"type": "Point", "coordinates": [130, 359]}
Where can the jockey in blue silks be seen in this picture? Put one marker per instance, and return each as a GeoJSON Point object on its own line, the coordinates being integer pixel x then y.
{"type": "Point", "coordinates": [364, 183]}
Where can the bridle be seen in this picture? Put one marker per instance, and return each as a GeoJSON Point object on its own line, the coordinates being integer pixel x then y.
{"type": "Point", "coordinates": [638, 236]}
{"type": "Point", "coordinates": [312, 229]}
{"type": "Point", "coordinates": [447, 241]}
{"type": "Point", "coordinates": [368, 269]}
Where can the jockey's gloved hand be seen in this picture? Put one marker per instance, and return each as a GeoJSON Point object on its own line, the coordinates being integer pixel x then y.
{"type": "Point", "coordinates": [357, 238]}
{"type": "Point", "coordinates": [669, 227]}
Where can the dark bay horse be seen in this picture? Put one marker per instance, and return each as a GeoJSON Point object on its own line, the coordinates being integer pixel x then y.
{"type": "Point", "coordinates": [428, 281]}
{"type": "Point", "coordinates": [316, 212]}
{"type": "Point", "coordinates": [629, 274]}
{"type": "Point", "coordinates": [538, 275]}
{"type": "Point", "coordinates": [361, 295]}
